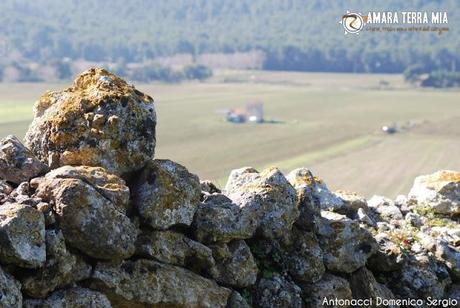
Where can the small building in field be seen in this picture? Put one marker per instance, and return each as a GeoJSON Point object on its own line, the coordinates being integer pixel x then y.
{"type": "Point", "coordinates": [253, 112]}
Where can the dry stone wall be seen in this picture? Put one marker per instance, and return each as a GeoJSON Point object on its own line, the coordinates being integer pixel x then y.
{"type": "Point", "coordinates": [88, 218]}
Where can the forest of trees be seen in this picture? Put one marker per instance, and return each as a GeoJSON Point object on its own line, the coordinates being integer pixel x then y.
{"type": "Point", "coordinates": [295, 35]}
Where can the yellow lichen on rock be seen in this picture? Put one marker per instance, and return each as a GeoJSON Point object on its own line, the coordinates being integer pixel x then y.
{"type": "Point", "coordinates": [100, 121]}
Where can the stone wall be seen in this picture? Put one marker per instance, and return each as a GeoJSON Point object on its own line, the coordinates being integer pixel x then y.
{"type": "Point", "coordinates": [89, 219]}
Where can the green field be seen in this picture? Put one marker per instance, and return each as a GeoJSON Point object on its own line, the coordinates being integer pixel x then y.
{"type": "Point", "coordinates": [327, 122]}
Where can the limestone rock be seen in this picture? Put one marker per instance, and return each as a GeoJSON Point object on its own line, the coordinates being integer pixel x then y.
{"type": "Point", "coordinates": [389, 255]}
{"type": "Point", "coordinates": [75, 297]}
{"type": "Point", "coordinates": [454, 292]}
{"type": "Point", "coordinates": [209, 187]}
{"type": "Point", "coordinates": [10, 291]}
{"type": "Point", "coordinates": [385, 208]}
{"type": "Point", "coordinates": [277, 292]}
{"type": "Point", "coordinates": [439, 191]}
{"type": "Point", "coordinates": [5, 190]}
{"type": "Point", "coordinates": [346, 246]}
{"type": "Point", "coordinates": [99, 121]}
{"type": "Point", "coordinates": [145, 283]}
{"type": "Point", "coordinates": [237, 301]}
{"type": "Point", "coordinates": [61, 268]}
{"type": "Point", "coordinates": [327, 200]}
{"type": "Point", "coordinates": [450, 256]}
{"type": "Point", "coordinates": [177, 249]}
{"type": "Point", "coordinates": [22, 234]}
{"type": "Point", "coordinates": [307, 203]}
{"type": "Point", "coordinates": [353, 202]}
{"type": "Point", "coordinates": [330, 287]}
{"type": "Point", "coordinates": [266, 198]}
{"type": "Point", "coordinates": [364, 286]}
{"type": "Point", "coordinates": [304, 259]}
{"type": "Point", "coordinates": [419, 278]}
{"type": "Point", "coordinates": [90, 206]}
{"type": "Point", "coordinates": [236, 266]}
{"type": "Point", "coordinates": [218, 219]}
{"type": "Point", "coordinates": [17, 163]}
{"type": "Point", "coordinates": [166, 194]}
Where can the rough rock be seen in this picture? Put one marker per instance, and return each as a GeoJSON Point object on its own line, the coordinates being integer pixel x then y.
{"type": "Point", "coordinates": [389, 255]}
{"type": "Point", "coordinates": [5, 190]}
{"type": "Point", "coordinates": [277, 292]}
{"type": "Point", "coordinates": [61, 268]}
{"type": "Point", "coordinates": [177, 249]}
{"type": "Point", "coordinates": [450, 256]}
{"type": "Point", "coordinates": [307, 203]}
{"type": "Point", "coordinates": [90, 206]}
{"type": "Point", "coordinates": [439, 191]}
{"type": "Point", "coordinates": [346, 246]}
{"type": "Point", "coordinates": [304, 259]}
{"type": "Point", "coordinates": [17, 163]}
{"type": "Point", "coordinates": [385, 208]}
{"type": "Point", "coordinates": [364, 286]}
{"type": "Point", "coordinates": [146, 283]}
{"type": "Point", "coordinates": [166, 194]}
{"type": "Point", "coordinates": [22, 235]}
{"type": "Point", "coordinates": [235, 264]}
{"type": "Point", "coordinates": [327, 200]}
{"type": "Point", "coordinates": [218, 219]}
{"type": "Point", "coordinates": [22, 195]}
{"type": "Point", "coordinates": [237, 301]}
{"type": "Point", "coordinates": [76, 297]}
{"type": "Point", "coordinates": [99, 121]}
{"type": "Point", "coordinates": [353, 202]}
{"type": "Point", "coordinates": [10, 291]}
{"type": "Point", "coordinates": [209, 187]}
{"type": "Point", "coordinates": [266, 198]}
{"type": "Point", "coordinates": [419, 278]}
{"type": "Point", "coordinates": [454, 292]}
{"type": "Point", "coordinates": [330, 287]}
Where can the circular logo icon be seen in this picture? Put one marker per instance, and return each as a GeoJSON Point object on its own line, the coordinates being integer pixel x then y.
{"type": "Point", "coordinates": [352, 22]}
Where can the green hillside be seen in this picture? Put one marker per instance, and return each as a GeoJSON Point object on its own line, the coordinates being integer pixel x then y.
{"type": "Point", "coordinates": [294, 34]}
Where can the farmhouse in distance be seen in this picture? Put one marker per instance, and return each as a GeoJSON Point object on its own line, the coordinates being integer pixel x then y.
{"type": "Point", "coordinates": [252, 112]}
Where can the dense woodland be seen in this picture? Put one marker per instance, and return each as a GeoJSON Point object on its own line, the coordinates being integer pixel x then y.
{"type": "Point", "coordinates": [290, 34]}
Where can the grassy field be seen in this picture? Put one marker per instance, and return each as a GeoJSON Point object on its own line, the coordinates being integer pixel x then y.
{"type": "Point", "coordinates": [327, 122]}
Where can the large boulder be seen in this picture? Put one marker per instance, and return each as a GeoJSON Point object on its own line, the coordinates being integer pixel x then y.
{"type": "Point", "coordinates": [90, 206]}
{"type": "Point", "coordinates": [62, 268]}
{"type": "Point", "coordinates": [265, 198]}
{"type": "Point", "coordinates": [439, 191]}
{"type": "Point", "coordinates": [166, 194]}
{"type": "Point", "coordinates": [218, 219]}
{"type": "Point", "coordinates": [22, 235]}
{"type": "Point", "coordinates": [346, 246]}
{"type": "Point", "coordinates": [235, 264]}
{"type": "Point", "coordinates": [146, 283]}
{"type": "Point", "coordinates": [99, 121]}
{"type": "Point", "coordinates": [10, 291]}
{"type": "Point", "coordinates": [17, 163]}
{"type": "Point", "coordinates": [177, 249]}
{"type": "Point", "coordinates": [68, 298]}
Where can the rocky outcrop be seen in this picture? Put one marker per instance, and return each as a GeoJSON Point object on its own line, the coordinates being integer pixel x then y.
{"type": "Point", "coordinates": [88, 218]}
